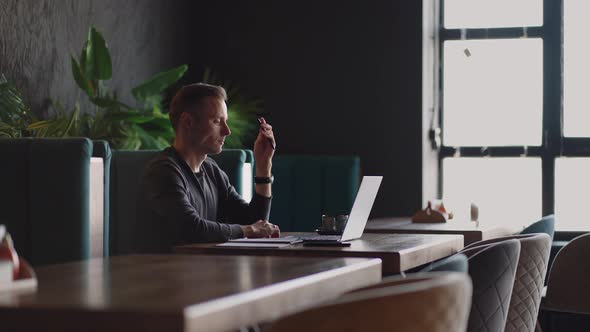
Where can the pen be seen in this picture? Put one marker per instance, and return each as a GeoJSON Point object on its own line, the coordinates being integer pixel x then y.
{"type": "Point", "coordinates": [272, 144]}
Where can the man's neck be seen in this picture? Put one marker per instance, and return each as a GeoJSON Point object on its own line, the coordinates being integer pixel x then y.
{"type": "Point", "coordinates": [193, 159]}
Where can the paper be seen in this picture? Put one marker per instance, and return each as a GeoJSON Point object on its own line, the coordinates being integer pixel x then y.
{"type": "Point", "coordinates": [252, 245]}
{"type": "Point", "coordinates": [287, 239]}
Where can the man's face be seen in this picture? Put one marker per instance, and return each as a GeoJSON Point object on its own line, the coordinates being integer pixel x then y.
{"type": "Point", "coordinates": [209, 129]}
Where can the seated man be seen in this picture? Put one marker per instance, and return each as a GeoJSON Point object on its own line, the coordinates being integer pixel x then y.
{"type": "Point", "coordinates": [184, 196]}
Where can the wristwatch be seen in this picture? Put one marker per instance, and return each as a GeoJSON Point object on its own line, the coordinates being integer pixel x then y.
{"type": "Point", "coordinates": [264, 179]}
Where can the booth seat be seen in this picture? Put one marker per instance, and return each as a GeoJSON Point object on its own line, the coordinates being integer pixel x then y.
{"type": "Point", "coordinates": [126, 171]}
{"type": "Point", "coordinates": [46, 198]}
{"type": "Point", "coordinates": [305, 187]}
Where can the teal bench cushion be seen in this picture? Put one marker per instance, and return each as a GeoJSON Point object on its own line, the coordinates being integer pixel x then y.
{"type": "Point", "coordinates": [306, 187]}
{"type": "Point", "coordinates": [60, 199]}
{"type": "Point", "coordinates": [48, 209]}
{"type": "Point", "coordinates": [14, 196]}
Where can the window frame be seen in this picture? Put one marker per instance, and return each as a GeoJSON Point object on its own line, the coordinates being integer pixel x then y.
{"type": "Point", "coordinates": [553, 145]}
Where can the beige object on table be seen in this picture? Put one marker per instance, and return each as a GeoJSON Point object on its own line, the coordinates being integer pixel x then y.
{"type": "Point", "coordinates": [427, 302]}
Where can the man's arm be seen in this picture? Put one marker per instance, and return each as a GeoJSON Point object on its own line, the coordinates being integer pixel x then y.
{"type": "Point", "coordinates": [264, 149]}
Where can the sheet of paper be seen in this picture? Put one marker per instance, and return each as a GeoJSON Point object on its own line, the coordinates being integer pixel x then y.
{"type": "Point", "coordinates": [252, 245]}
{"type": "Point", "coordinates": [286, 239]}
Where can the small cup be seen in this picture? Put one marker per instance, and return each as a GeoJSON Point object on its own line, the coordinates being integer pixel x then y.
{"type": "Point", "coordinates": [328, 223]}
{"type": "Point", "coordinates": [341, 221]}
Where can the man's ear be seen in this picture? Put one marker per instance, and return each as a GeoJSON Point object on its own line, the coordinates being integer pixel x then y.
{"type": "Point", "coordinates": [186, 120]}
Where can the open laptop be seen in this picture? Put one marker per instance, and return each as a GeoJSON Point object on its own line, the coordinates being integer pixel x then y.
{"type": "Point", "coordinates": [357, 219]}
{"type": "Point", "coordinates": [354, 228]}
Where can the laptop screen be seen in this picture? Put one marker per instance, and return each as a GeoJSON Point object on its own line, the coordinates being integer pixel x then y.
{"type": "Point", "coordinates": [361, 208]}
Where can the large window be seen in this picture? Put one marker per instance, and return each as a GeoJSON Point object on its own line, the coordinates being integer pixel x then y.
{"type": "Point", "coordinates": [515, 109]}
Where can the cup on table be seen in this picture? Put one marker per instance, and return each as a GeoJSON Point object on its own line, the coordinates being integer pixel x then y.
{"type": "Point", "coordinates": [341, 221]}
{"type": "Point", "coordinates": [328, 223]}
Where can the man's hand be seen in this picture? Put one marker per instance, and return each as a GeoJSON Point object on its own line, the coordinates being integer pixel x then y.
{"type": "Point", "coordinates": [261, 228]}
{"type": "Point", "coordinates": [263, 149]}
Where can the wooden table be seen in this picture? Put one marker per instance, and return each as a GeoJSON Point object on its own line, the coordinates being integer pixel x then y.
{"type": "Point", "coordinates": [399, 252]}
{"type": "Point", "coordinates": [470, 230]}
{"type": "Point", "coordinates": [179, 292]}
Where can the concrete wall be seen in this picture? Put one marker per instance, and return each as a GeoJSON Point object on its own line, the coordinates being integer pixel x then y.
{"type": "Point", "coordinates": [38, 36]}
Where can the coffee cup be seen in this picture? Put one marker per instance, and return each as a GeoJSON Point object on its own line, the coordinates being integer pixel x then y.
{"type": "Point", "coordinates": [328, 223]}
{"type": "Point", "coordinates": [341, 221]}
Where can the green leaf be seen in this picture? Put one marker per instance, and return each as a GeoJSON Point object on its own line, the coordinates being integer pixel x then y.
{"type": "Point", "coordinates": [98, 58]}
{"type": "Point", "coordinates": [109, 103]}
{"type": "Point", "coordinates": [8, 131]}
{"type": "Point", "coordinates": [158, 83]}
{"type": "Point", "coordinates": [83, 57]}
{"type": "Point", "coordinates": [80, 79]}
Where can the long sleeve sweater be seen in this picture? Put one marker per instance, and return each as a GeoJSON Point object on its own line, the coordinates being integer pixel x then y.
{"type": "Point", "coordinates": [178, 206]}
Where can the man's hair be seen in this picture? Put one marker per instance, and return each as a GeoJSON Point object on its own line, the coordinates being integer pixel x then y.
{"type": "Point", "coordinates": [188, 98]}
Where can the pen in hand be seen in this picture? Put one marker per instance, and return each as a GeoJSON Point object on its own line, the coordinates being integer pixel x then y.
{"type": "Point", "coordinates": [272, 144]}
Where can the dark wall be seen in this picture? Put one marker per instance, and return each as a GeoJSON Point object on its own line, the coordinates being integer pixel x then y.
{"type": "Point", "coordinates": [38, 36]}
{"type": "Point", "coordinates": [337, 77]}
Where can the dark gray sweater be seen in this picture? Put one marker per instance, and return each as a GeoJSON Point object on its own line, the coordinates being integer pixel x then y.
{"type": "Point", "coordinates": [178, 206]}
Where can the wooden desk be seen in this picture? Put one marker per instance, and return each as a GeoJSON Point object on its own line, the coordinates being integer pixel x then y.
{"type": "Point", "coordinates": [398, 252]}
{"type": "Point", "coordinates": [470, 231]}
{"type": "Point", "coordinates": [178, 292]}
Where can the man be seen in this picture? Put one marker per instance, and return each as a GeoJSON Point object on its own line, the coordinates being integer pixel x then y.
{"type": "Point", "coordinates": [185, 196]}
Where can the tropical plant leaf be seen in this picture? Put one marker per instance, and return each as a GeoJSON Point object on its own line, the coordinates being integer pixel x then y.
{"type": "Point", "coordinates": [8, 131]}
{"type": "Point", "coordinates": [81, 79]}
{"type": "Point", "coordinates": [109, 103]}
{"type": "Point", "coordinates": [157, 84]}
{"type": "Point", "coordinates": [13, 110]}
{"type": "Point", "coordinates": [98, 59]}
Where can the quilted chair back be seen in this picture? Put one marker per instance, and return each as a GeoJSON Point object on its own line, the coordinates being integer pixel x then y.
{"type": "Point", "coordinates": [528, 284]}
{"type": "Point", "coordinates": [426, 302]}
{"type": "Point", "coordinates": [568, 288]}
{"type": "Point", "coordinates": [492, 268]}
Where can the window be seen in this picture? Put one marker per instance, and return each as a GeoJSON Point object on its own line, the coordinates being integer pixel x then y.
{"type": "Point", "coordinates": [514, 109]}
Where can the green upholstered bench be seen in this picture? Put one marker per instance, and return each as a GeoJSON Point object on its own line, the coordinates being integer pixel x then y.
{"type": "Point", "coordinates": [126, 171]}
{"type": "Point", "coordinates": [305, 187]}
{"type": "Point", "coordinates": [45, 197]}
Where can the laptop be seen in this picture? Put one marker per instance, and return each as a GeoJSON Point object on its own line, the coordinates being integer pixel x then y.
{"type": "Point", "coordinates": [357, 219]}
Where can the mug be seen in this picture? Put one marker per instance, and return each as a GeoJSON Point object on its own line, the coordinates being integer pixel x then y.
{"type": "Point", "coordinates": [341, 221]}
{"type": "Point", "coordinates": [328, 223]}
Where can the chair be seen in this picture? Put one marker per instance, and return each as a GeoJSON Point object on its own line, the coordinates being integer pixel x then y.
{"type": "Point", "coordinates": [454, 263]}
{"type": "Point", "coordinates": [528, 284]}
{"type": "Point", "coordinates": [568, 287]}
{"type": "Point", "coordinates": [46, 185]}
{"type": "Point", "coordinates": [492, 268]}
{"type": "Point", "coordinates": [428, 302]}
{"type": "Point", "coordinates": [545, 225]}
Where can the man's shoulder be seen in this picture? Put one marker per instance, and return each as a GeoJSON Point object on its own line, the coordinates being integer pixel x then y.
{"type": "Point", "coordinates": [163, 161]}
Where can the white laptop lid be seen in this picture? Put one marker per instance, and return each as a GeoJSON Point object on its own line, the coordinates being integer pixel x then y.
{"type": "Point", "coordinates": [363, 203]}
